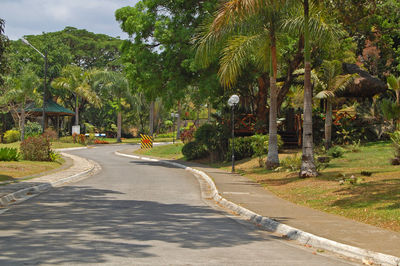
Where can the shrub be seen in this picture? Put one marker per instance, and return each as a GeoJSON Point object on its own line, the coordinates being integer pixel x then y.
{"type": "Point", "coordinates": [11, 136]}
{"type": "Point", "coordinates": [355, 146]}
{"type": "Point", "coordinates": [50, 134]}
{"type": "Point", "coordinates": [395, 138]}
{"type": "Point", "coordinates": [214, 137]}
{"type": "Point", "coordinates": [336, 152]}
{"type": "Point", "coordinates": [32, 129]}
{"type": "Point", "coordinates": [260, 146]}
{"type": "Point", "coordinates": [188, 134]}
{"type": "Point", "coordinates": [243, 148]}
{"type": "Point", "coordinates": [98, 141]}
{"type": "Point", "coordinates": [9, 154]}
{"type": "Point", "coordinates": [79, 138]}
{"type": "Point", "coordinates": [290, 163]}
{"type": "Point", "coordinates": [36, 149]}
{"type": "Point", "coordinates": [54, 156]}
{"type": "Point", "coordinates": [194, 150]}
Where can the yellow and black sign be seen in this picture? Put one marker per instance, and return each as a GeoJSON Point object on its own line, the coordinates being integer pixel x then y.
{"type": "Point", "coordinates": [146, 142]}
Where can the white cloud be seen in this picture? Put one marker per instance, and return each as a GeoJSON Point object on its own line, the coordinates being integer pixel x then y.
{"type": "Point", "coordinates": [26, 17]}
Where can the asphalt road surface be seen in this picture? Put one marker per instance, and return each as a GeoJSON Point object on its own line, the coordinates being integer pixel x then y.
{"type": "Point", "coordinates": [133, 213]}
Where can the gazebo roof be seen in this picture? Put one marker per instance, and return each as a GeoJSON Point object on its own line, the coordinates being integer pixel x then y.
{"type": "Point", "coordinates": [51, 108]}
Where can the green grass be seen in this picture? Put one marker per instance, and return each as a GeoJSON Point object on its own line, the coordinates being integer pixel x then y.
{"type": "Point", "coordinates": [54, 145]}
{"type": "Point", "coordinates": [12, 170]}
{"type": "Point", "coordinates": [169, 151]}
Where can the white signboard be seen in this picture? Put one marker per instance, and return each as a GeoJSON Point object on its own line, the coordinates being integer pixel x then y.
{"type": "Point", "coordinates": [76, 129]}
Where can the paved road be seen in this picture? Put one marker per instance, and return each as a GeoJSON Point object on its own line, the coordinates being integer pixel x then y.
{"type": "Point", "coordinates": [136, 212]}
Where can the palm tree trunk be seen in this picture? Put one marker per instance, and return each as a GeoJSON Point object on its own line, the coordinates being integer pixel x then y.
{"type": "Point", "coordinates": [151, 125]}
{"type": "Point", "coordinates": [273, 158]}
{"type": "Point", "coordinates": [328, 124]}
{"type": "Point", "coordinates": [261, 101]}
{"type": "Point", "coordinates": [308, 168]}
{"type": "Point", "coordinates": [119, 126]}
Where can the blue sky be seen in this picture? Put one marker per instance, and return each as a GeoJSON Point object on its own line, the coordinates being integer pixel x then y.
{"type": "Point", "coordinates": [26, 17]}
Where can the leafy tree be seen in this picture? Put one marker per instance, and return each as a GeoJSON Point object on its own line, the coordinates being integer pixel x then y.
{"type": "Point", "coordinates": [159, 58]}
{"type": "Point", "coordinates": [394, 85]}
{"type": "Point", "coordinates": [115, 87]}
{"type": "Point", "coordinates": [20, 91]}
{"type": "Point", "coordinates": [77, 81]}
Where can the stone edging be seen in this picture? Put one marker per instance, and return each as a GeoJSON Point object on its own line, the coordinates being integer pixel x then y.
{"type": "Point", "coordinates": [283, 229]}
{"type": "Point", "coordinates": [24, 194]}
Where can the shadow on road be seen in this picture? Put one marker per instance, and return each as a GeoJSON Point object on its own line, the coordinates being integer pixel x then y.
{"type": "Point", "coordinates": [86, 225]}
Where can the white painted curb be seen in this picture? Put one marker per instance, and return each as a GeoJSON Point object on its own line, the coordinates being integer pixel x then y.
{"type": "Point", "coordinates": [285, 230]}
{"type": "Point", "coordinates": [24, 194]}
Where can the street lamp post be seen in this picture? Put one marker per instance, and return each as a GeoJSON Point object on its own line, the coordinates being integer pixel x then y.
{"type": "Point", "coordinates": [232, 102]}
{"type": "Point", "coordinates": [45, 80]}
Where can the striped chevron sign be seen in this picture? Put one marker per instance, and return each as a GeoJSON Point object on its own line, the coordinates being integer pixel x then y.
{"type": "Point", "coordinates": [146, 141]}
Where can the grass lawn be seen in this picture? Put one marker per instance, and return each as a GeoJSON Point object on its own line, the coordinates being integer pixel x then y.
{"type": "Point", "coordinates": [170, 151]}
{"type": "Point", "coordinates": [376, 200]}
{"type": "Point", "coordinates": [54, 145]}
{"type": "Point", "coordinates": [11, 170]}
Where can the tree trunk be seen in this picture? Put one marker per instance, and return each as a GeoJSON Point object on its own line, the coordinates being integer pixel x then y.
{"type": "Point", "coordinates": [261, 101]}
{"type": "Point", "coordinates": [273, 158]}
{"type": "Point", "coordinates": [22, 126]}
{"type": "Point", "coordinates": [308, 168]}
{"type": "Point", "coordinates": [209, 113]}
{"type": "Point", "coordinates": [178, 122]}
{"type": "Point", "coordinates": [119, 126]}
{"type": "Point", "coordinates": [328, 124]}
{"type": "Point", "coordinates": [76, 111]}
{"type": "Point", "coordinates": [151, 125]}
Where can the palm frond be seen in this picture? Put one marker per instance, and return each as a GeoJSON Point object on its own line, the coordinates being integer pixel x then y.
{"type": "Point", "coordinates": [235, 56]}
{"type": "Point", "coordinates": [393, 83]}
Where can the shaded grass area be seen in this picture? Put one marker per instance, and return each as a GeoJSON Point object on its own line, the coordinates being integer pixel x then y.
{"type": "Point", "coordinates": [12, 170]}
{"type": "Point", "coordinates": [375, 200]}
{"type": "Point", "coordinates": [170, 151]}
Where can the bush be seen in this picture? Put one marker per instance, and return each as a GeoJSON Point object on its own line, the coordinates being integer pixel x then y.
{"type": "Point", "coordinates": [336, 152]}
{"type": "Point", "coordinates": [11, 136]}
{"type": "Point", "coordinates": [395, 138]}
{"type": "Point", "coordinates": [9, 154]}
{"type": "Point", "coordinates": [194, 150]}
{"type": "Point", "coordinates": [259, 144]}
{"type": "Point", "coordinates": [290, 163]}
{"type": "Point", "coordinates": [243, 148]}
{"type": "Point", "coordinates": [79, 138]}
{"type": "Point", "coordinates": [50, 134]}
{"type": "Point", "coordinates": [215, 138]}
{"type": "Point", "coordinates": [32, 129]}
{"type": "Point", "coordinates": [188, 134]}
{"type": "Point", "coordinates": [36, 149]}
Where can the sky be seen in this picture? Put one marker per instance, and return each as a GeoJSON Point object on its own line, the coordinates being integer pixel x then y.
{"type": "Point", "coordinates": [32, 17]}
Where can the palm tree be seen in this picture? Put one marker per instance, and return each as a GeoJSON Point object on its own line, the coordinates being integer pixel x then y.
{"type": "Point", "coordinates": [331, 82]}
{"type": "Point", "coordinates": [21, 90]}
{"type": "Point", "coordinates": [116, 85]}
{"type": "Point", "coordinates": [394, 85]}
{"type": "Point", "coordinates": [257, 23]}
{"type": "Point", "coordinates": [77, 81]}
{"type": "Point", "coordinates": [316, 24]}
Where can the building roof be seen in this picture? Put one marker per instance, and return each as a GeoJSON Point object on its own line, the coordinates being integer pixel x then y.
{"type": "Point", "coordinates": [51, 108]}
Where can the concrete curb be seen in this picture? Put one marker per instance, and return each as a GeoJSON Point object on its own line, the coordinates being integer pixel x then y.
{"type": "Point", "coordinates": [366, 256]}
{"type": "Point", "coordinates": [26, 193]}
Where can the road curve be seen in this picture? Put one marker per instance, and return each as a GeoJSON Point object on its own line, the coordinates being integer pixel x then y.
{"type": "Point", "coordinates": [138, 212]}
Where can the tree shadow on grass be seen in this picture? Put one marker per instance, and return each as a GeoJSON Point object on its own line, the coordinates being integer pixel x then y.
{"type": "Point", "coordinates": [371, 193]}
{"type": "Point", "coordinates": [85, 225]}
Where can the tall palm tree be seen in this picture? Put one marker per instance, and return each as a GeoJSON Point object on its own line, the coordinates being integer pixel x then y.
{"type": "Point", "coordinates": [21, 90]}
{"type": "Point", "coordinates": [77, 81]}
{"type": "Point", "coordinates": [257, 23]}
{"type": "Point", "coordinates": [315, 24]}
{"type": "Point", "coordinates": [331, 82]}
{"type": "Point", "coordinates": [116, 85]}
